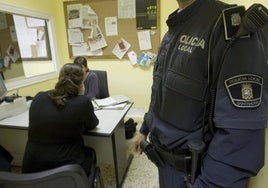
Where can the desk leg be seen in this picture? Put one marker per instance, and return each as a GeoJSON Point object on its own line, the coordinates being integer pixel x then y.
{"type": "Point", "coordinates": [112, 150]}
{"type": "Point", "coordinates": [121, 162]}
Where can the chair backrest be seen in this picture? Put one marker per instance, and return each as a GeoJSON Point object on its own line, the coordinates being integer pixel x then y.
{"type": "Point", "coordinates": [67, 176]}
{"type": "Point", "coordinates": [103, 84]}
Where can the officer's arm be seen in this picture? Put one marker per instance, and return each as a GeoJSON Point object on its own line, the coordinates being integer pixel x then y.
{"type": "Point", "coordinates": [240, 117]}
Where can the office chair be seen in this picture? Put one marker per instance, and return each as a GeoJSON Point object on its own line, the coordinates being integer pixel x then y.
{"type": "Point", "coordinates": [95, 176]}
{"type": "Point", "coordinates": [67, 176]}
{"type": "Point", "coordinates": [103, 84]}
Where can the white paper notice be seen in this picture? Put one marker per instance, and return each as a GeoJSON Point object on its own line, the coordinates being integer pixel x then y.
{"type": "Point", "coordinates": [84, 50]}
{"type": "Point", "coordinates": [35, 22]}
{"type": "Point", "coordinates": [98, 41]}
{"type": "Point", "coordinates": [75, 36]}
{"type": "Point", "coordinates": [89, 17]}
{"type": "Point", "coordinates": [41, 48]}
{"type": "Point", "coordinates": [111, 26]}
{"type": "Point", "coordinates": [12, 53]}
{"type": "Point", "coordinates": [117, 50]}
{"type": "Point", "coordinates": [144, 40]}
{"type": "Point", "coordinates": [40, 34]}
{"type": "Point", "coordinates": [132, 57]}
{"type": "Point", "coordinates": [126, 8]}
{"type": "Point", "coordinates": [74, 15]}
{"type": "Point", "coordinates": [24, 36]}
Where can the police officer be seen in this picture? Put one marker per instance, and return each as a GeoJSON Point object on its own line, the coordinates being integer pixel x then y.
{"type": "Point", "coordinates": [189, 61]}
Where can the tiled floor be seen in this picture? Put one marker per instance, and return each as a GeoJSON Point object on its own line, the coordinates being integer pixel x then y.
{"type": "Point", "coordinates": [141, 173]}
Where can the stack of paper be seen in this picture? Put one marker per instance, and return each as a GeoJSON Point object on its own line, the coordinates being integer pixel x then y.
{"type": "Point", "coordinates": [112, 102]}
{"type": "Point", "coordinates": [105, 102]}
{"type": "Point", "coordinates": [115, 107]}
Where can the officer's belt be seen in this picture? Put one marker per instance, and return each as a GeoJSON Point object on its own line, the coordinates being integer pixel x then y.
{"type": "Point", "coordinates": [177, 159]}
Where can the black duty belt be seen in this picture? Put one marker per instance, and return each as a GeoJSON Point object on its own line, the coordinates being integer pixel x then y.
{"type": "Point", "coordinates": [178, 159]}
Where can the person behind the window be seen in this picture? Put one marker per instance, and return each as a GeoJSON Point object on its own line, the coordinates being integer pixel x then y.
{"type": "Point", "coordinates": [57, 120]}
{"type": "Point", "coordinates": [91, 82]}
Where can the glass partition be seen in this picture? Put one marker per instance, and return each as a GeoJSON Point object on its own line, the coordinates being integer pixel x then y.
{"type": "Point", "coordinates": [27, 46]}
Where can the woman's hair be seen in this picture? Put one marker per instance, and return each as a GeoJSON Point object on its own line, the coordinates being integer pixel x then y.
{"type": "Point", "coordinates": [81, 61]}
{"type": "Point", "coordinates": [68, 85]}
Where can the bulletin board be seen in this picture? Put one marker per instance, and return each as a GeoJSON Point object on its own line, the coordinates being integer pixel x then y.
{"type": "Point", "coordinates": [127, 29]}
{"type": "Point", "coordinates": [13, 69]}
{"type": "Point", "coordinates": [11, 56]}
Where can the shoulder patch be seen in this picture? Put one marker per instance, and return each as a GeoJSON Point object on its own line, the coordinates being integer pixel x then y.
{"type": "Point", "coordinates": [245, 90]}
{"type": "Point", "coordinates": [232, 18]}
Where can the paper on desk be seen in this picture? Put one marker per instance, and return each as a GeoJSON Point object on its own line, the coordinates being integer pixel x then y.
{"type": "Point", "coordinates": [115, 107]}
{"type": "Point", "coordinates": [95, 105]}
{"type": "Point", "coordinates": [105, 102]}
{"type": "Point", "coordinates": [113, 100]}
{"type": "Point", "coordinates": [120, 98]}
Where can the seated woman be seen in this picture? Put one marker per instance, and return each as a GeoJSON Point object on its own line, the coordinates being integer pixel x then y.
{"type": "Point", "coordinates": [57, 120]}
{"type": "Point", "coordinates": [91, 82]}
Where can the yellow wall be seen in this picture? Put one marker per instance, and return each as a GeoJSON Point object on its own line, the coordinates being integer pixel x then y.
{"type": "Point", "coordinates": [123, 77]}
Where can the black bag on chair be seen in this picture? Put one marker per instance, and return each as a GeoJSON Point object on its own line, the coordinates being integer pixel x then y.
{"type": "Point", "coordinates": [5, 159]}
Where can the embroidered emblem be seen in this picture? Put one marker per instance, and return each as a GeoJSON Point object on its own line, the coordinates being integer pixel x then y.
{"type": "Point", "coordinates": [232, 18]}
{"type": "Point", "coordinates": [235, 19]}
{"type": "Point", "coordinates": [247, 93]}
{"type": "Point", "coordinates": [245, 90]}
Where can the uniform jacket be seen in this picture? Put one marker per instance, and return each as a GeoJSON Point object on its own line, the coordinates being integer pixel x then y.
{"type": "Point", "coordinates": [180, 96]}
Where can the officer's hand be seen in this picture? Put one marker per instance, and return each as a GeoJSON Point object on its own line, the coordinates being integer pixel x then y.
{"type": "Point", "coordinates": [136, 142]}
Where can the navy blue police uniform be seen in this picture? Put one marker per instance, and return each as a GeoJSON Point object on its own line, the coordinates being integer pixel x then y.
{"type": "Point", "coordinates": [180, 101]}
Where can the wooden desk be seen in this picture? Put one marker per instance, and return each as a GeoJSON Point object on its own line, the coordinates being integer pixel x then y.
{"type": "Point", "coordinates": [108, 139]}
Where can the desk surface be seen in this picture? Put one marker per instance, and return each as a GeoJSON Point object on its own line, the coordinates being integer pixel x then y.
{"type": "Point", "coordinates": [108, 120]}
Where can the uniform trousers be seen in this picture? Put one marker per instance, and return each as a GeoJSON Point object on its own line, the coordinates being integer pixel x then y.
{"type": "Point", "coordinates": [169, 177]}
{"type": "Point", "coordinates": [216, 175]}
